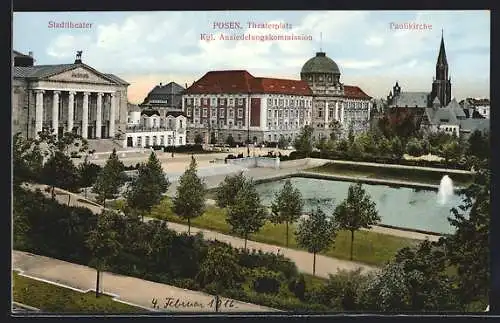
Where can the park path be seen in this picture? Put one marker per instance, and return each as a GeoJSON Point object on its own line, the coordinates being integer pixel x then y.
{"type": "Point", "coordinates": [324, 265]}
{"type": "Point", "coordinates": [133, 291]}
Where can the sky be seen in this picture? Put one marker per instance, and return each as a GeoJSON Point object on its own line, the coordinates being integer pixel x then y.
{"type": "Point", "coordinates": [148, 48]}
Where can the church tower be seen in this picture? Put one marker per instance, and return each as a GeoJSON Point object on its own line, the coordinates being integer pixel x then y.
{"type": "Point", "coordinates": [441, 86]}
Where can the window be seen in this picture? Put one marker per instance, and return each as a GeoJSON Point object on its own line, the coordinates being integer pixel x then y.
{"type": "Point", "coordinates": [269, 113]}
{"type": "Point", "coordinates": [269, 124]}
{"type": "Point", "coordinates": [214, 102]}
{"type": "Point", "coordinates": [180, 140]}
{"type": "Point", "coordinates": [231, 102]}
{"type": "Point", "coordinates": [240, 101]}
{"type": "Point", "coordinates": [222, 102]}
{"type": "Point", "coordinates": [214, 113]}
{"type": "Point", "coordinates": [154, 140]}
{"type": "Point", "coordinates": [320, 112]}
{"type": "Point", "coordinates": [275, 101]}
{"type": "Point", "coordinates": [239, 137]}
{"type": "Point", "coordinates": [221, 113]}
{"type": "Point", "coordinates": [196, 112]}
{"type": "Point", "coordinates": [205, 112]}
{"type": "Point", "coordinates": [180, 124]}
{"type": "Point", "coordinates": [269, 101]}
{"type": "Point", "coordinates": [221, 123]}
{"type": "Point", "coordinates": [188, 112]}
{"type": "Point", "coordinates": [197, 101]}
{"type": "Point", "coordinates": [240, 124]}
{"type": "Point", "coordinates": [154, 122]}
{"type": "Point", "coordinates": [205, 101]}
{"type": "Point", "coordinates": [302, 103]}
{"type": "Point", "coordinates": [280, 113]}
{"type": "Point", "coordinates": [139, 141]}
{"type": "Point", "coordinates": [162, 140]}
{"type": "Point", "coordinates": [169, 140]}
{"type": "Point", "coordinates": [276, 113]}
{"type": "Point", "coordinates": [240, 113]}
{"type": "Point", "coordinates": [231, 113]}
{"type": "Point", "coordinates": [286, 113]}
{"type": "Point", "coordinates": [189, 101]}
{"type": "Point", "coordinates": [170, 123]}
{"type": "Point", "coordinates": [281, 102]}
{"type": "Point", "coordinates": [230, 124]}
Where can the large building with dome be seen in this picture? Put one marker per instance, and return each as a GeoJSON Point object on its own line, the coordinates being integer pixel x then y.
{"type": "Point", "coordinates": [258, 109]}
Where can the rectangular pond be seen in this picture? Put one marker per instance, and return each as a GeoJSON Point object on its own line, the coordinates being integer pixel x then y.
{"type": "Point", "coordinates": [397, 206]}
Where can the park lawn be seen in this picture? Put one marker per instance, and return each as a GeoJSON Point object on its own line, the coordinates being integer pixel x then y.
{"type": "Point", "coordinates": [52, 298]}
{"type": "Point", "coordinates": [369, 247]}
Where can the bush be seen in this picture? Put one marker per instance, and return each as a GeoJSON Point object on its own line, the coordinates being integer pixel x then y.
{"type": "Point", "coordinates": [271, 261]}
{"type": "Point", "coordinates": [298, 287]}
{"type": "Point", "coordinates": [266, 281]}
{"type": "Point", "coordinates": [414, 147]}
{"type": "Point", "coordinates": [196, 148]}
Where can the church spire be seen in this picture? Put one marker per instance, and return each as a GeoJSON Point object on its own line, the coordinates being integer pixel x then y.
{"type": "Point", "coordinates": [442, 52]}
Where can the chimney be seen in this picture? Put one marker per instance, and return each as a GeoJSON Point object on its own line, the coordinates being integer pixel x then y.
{"type": "Point", "coordinates": [160, 83]}
{"type": "Point", "coordinates": [186, 85]}
{"type": "Point", "coordinates": [30, 54]}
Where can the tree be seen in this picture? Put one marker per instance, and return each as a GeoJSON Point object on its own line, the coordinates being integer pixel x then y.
{"type": "Point", "coordinates": [468, 249]}
{"type": "Point", "coordinates": [350, 134]}
{"type": "Point", "coordinates": [198, 139]}
{"type": "Point", "coordinates": [478, 145]}
{"type": "Point", "coordinates": [147, 189]}
{"type": "Point", "coordinates": [316, 233]}
{"type": "Point", "coordinates": [59, 171]}
{"type": "Point", "coordinates": [27, 159]}
{"type": "Point", "coordinates": [336, 130]}
{"type": "Point", "coordinates": [287, 206]}
{"type": "Point", "coordinates": [189, 201]}
{"type": "Point", "coordinates": [304, 143]}
{"type": "Point", "coordinates": [88, 173]}
{"type": "Point", "coordinates": [110, 180]}
{"type": "Point", "coordinates": [227, 190]}
{"type": "Point", "coordinates": [451, 150]}
{"type": "Point", "coordinates": [68, 143]}
{"type": "Point", "coordinates": [355, 212]}
{"type": "Point", "coordinates": [397, 147]}
{"type": "Point", "coordinates": [103, 242]}
{"type": "Point", "coordinates": [283, 142]}
{"type": "Point", "coordinates": [220, 267]}
{"type": "Point", "coordinates": [230, 140]}
{"type": "Point", "coordinates": [386, 291]}
{"type": "Point", "coordinates": [246, 215]}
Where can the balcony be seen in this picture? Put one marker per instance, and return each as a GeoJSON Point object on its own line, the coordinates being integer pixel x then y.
{"type": "Point", "coordinates": [152, 129]}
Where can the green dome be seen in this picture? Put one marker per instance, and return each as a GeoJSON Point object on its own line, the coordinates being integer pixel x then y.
{"type": "Point", "coordinates": [320, 64]}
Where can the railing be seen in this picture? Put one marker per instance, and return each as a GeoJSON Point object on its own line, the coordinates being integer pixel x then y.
{"type": "Point", "coordinates": [154, 129]}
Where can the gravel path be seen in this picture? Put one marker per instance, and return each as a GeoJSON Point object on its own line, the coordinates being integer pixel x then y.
{"type": "Point", "coordinates": [133, 291]}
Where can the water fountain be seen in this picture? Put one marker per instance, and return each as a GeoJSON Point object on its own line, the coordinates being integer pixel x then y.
{"type": "Point", "coordinates": [445, 190]}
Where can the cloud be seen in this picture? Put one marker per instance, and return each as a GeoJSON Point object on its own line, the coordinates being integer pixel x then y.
{"type": "Point", "coordinates": [374, 41]}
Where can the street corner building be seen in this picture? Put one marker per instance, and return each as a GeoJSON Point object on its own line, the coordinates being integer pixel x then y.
{"type": "Point", "coordinates": [160, 126]}
{"type": "Point", "coordinates": [258, 109]}
{"type": "Point", "coordinates": [67, 98]}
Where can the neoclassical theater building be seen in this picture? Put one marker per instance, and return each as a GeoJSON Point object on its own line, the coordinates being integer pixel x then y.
{"type": "Point", "coordinates": [265, 109]}
{"type": "Point", "coordinates": [67, 97]}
